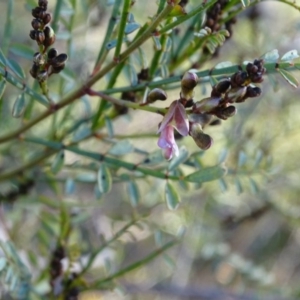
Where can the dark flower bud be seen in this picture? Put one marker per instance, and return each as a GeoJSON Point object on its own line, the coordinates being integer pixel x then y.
{"type": "Point", "coordinates": [43, 4]}
{"type": "Point", "coordinates": [40, 37]}
{"type": "Point", "coordinates": [202, 119]}
{"type": "Point", "coordinates": [251, 93]}
{"type": "Point", "coordinates": [251, 68]}
{"type": "Point", "coordinates": [59, 60]}
{"type": "Point", "coordinates": [56, 69]}
{"type": "Point", "coordinates": [225, 113]}
{"type": "Point", "coordinates": [156, 94]}
{"type": "Point", "coordinates": [49, 36]}
{"type": "Point", "coordinates": [144, 74]}
{"type": "Point", "coordinates": [202, 140]}
{"type": "Point", "coordinates": [47, 18]}
{"type": "Point", "coordinates": [32, 34]}
{"type": "Point", "coordinates": [221, 87]}
{"type": "Point", "coordinates": [42, 76]}
{"type": "Point", "coordinates": [34, 70]}
{"type": "Point", "coordinates": [256, 78]}
{"type": "Point", "coordinates": [38, 59]}
{"type": "Point", "coordinates": [215, 122]}
{"type": "Point", "coordinates": [52, 53]}
{"type": "Point", "coordinates": [188, 83]}
{"type": "Point", "coordinates": [236, 94]}
{"type": "Point", "coordinates": [206, 105]}
{"type": "Point", "coordinates": [38, 13]}
{"type": "Point", "coordinates": [189, 103]}
{"type": "Point", "coordinates": [239, 78]}
{"type": "Point", "coordinates": [36, 24]}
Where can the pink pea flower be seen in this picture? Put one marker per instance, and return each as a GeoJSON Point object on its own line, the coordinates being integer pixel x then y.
{"type": "Point", "coordinates": [175, 118]}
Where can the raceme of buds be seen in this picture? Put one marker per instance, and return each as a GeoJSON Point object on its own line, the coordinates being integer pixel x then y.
{"type": "Point", "coordinates": [188, 83]}
{"type": "Point", "coordinates": [44, 64]}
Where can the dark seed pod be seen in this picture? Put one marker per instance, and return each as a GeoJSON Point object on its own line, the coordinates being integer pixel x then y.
{"type": "Point", "coordinates": [252, 92]}
{"type": "Point", "coordinates": [144, 74]}
{"type": "Point", "coordinates": [251, 68]}
{"type": "Point", "coordinates": [32, 34]}
{"type": "Point", "coordinates": [52, 53]}
{"type": "Point", "coordinates": [226, 113]}
{"type": "Point", "coordinates": [59, 60]}
{"type": "Point", "coordinates": [47, 18]}
{"type": "Point", "coordinates": [221, 87]}
{"type": "Point", "coordinates": [36, 24]}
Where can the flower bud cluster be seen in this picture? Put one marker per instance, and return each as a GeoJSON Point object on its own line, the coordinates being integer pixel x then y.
{"type": "Point", "coordinates": [213, 18]}
{"type": "Point", "coordinates": [44, 64]}
{"type": "Point", "coordinates": [42, 33]}
{"type": "Point", "coordinates": [228, 91]}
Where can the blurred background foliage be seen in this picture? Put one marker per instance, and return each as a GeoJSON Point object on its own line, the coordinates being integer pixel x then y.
{"type": "Point", "coordinates": [108, 226]}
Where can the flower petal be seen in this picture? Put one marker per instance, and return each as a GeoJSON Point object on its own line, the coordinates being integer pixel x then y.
{"type": "Point", "coordinates": [167, 142]}
{"type": "Point", "coordinates": [168, 116]}
{"type": "Point", "coordinates": [181, 120]}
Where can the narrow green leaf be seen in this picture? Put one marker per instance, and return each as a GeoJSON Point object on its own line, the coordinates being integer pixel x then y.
{"type": "Point", "coordinates": [253, 186]}
{"type": "Point", "coordinates": [238, 186]}
{"type": "Point", "coordinates": [109, 127]}
{"type": "Point", "coordinates": [70, 186]}
{"type": "Point", "coordinates": [271, 56]}
{"type": "Point", "coordinates": [157, 43]}
{"type": "Point", "coordinates": [242, 158]}
{"type": "Point", "coordinates": [133, 193]}
{"type": "Point", "coordinates": [171, 195]}
{"type": "Point", "coordinates": [3, 60]}
{"type": "Point", "coordinates": [207, 174]}
{"type": "Point", "coordinates": [22, 50]}
{"type": "Point", "coordinates": [58, 162]}
{"type": "Point", "coordinates": [289, 78]}
{"type": "Point", "coordinates": [19, 106]}
{"type": "Point", "coordinates": [121, 148]}
{"type": "Point", "coordinates": [223, 185]}
{"type": "Point", "coordinates": [245, 3]}
{"type": "Point", "coordinates": [2, 263]}
{"type": "Point", "coordinates": [104, 179]}
{"type": "Point", "coordinates": [2, 87]}
{"type": "Point", "coordinates": [131, 27]}
{"type": "Point", "coordinates": [16, 68]}
{"type": "Point", "coordinates": [176, 161]}
{"type": "Point", "coordinates": [290, 56]}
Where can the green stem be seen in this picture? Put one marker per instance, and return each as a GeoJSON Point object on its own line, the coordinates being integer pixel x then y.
{"type": "Point", "coordinates": [104, 246]}
{"type": "Point", "coordinates": [110, 28]}
{"type": "Point", "coordinates": [128, 104]}
{"type": "Point", "coordinates": [122, 27]}
{"type": "Point", "coordinates": [135, 265]}
{"type": "Point", "coordinates": [200, 8]}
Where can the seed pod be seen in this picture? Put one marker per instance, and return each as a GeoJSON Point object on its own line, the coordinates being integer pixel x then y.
{"type": "Point", "coordinates": [56, 70]}
{"type": "Point", "coordinates": [188, 83]}
{"type": "Point", "coordinates": [251, 93]}
{"type": "Point", "coordinates": [202, 140]}
{"type": "Point", "coordinates": [36, 24]}
{"type": "Point", "coordinates": [236, 94]}
{"type": "Point", "coordinates": [156, 94]}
